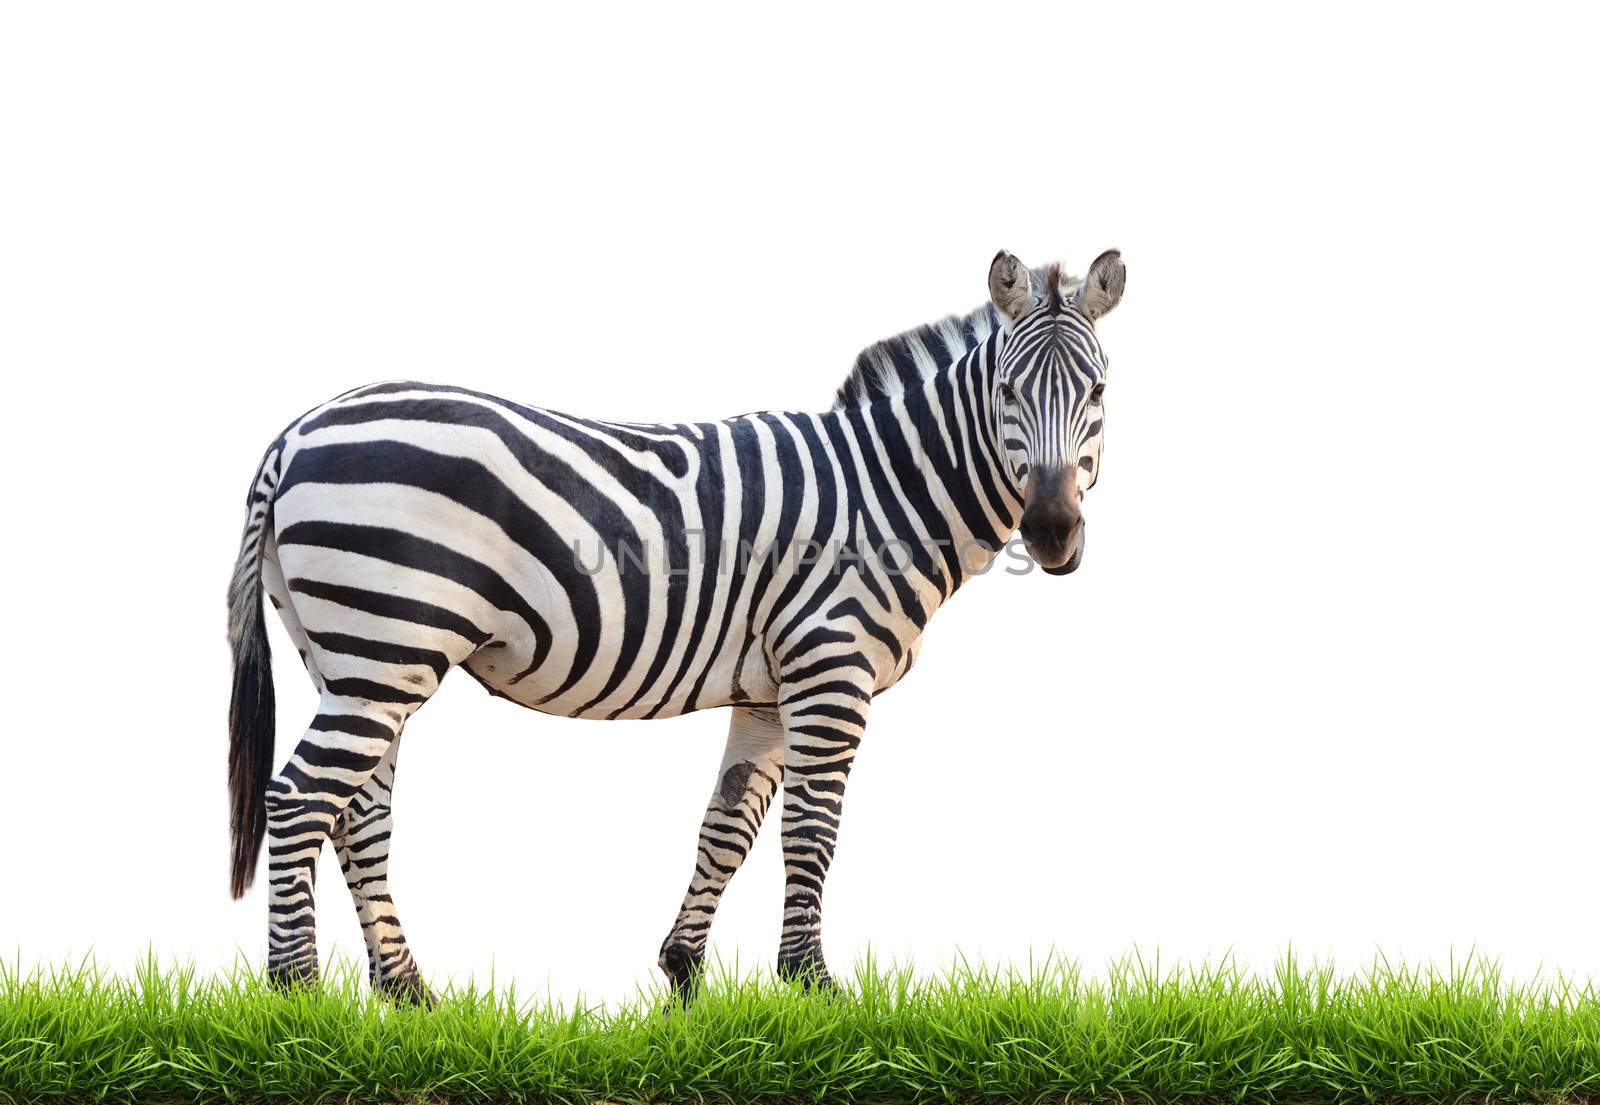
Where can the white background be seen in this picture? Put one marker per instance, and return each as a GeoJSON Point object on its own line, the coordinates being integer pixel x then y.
{"type": "Point", "coordinates": [1327, 677]}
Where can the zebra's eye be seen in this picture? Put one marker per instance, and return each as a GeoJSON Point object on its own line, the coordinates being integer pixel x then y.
{"type": "Point", "coordinates": [1097, 393]}
{"type": "Point", "coordinates": [1008, 392]}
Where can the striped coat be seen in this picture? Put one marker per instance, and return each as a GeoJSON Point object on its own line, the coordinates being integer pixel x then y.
{"type": "Point", "coordinates": [783, 564]}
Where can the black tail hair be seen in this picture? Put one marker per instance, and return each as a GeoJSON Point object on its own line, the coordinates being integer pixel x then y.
{"type": "Point", "coordinates": [252, 715]}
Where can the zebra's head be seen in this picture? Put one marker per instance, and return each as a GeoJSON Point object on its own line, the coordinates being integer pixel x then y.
{"type": "Point", "coordinates": [1051, 377]}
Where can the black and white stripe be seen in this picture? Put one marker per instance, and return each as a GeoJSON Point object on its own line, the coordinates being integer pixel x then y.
{"type": "Point", "coordinates": [782, 564]}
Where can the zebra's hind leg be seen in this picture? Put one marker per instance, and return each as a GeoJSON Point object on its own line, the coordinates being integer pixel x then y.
{"type": "Point", "coordinates": [746, 782]}
{"type": "Point", "coordinates": [333, 762]}
{"type": "Point", "coordinates": [361, 841]}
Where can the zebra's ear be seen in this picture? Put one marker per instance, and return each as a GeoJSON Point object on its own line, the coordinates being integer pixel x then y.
{"type": "Point", "coordinates": [1010, 286]}
{"type": "Point", "coordinates": [1102, 288]}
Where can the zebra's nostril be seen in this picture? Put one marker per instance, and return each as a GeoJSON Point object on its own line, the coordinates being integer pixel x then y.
{"type": "Point", "coordinates": [1028, 530]}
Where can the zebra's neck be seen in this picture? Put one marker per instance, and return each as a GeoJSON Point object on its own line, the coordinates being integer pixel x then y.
{"type": "Point", "coordinates": [947, 462]}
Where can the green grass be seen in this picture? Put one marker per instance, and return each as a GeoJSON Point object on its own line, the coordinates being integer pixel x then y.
{"type": "Point", "coordinates": [969, 1034]}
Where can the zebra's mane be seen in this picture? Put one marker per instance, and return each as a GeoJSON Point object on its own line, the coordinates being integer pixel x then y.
{"type": "Point", "coordinates": [894, 365]}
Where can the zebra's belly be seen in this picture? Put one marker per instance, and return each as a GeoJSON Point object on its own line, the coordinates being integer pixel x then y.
{"type": "Point", "coordinates": [728, 676]}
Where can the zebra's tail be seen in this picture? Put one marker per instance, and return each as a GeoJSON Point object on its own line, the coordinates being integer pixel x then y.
{"type": "Point", "coordinates": [252, 718]}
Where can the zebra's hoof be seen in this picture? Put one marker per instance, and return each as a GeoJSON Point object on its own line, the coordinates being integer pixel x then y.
{"type": "Point", "coordinates": [291, 978]}
{"type": "Point", "coordinates": [408, 989]}
{"type": "Point", "coordinates": [684, 968]}
{"type": "Point", "coordinates": [809, 971]}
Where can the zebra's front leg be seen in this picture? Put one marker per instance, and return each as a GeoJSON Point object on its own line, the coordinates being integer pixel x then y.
{"type": "Point", "coordinates": [746, 782]}
{"type": "Point", "coordinates": [361, 841]}
{"type": "Point", "coordinates": [824, 714]}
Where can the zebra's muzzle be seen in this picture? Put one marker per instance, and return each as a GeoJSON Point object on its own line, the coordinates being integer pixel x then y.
{"type": "Point", "coordinates": [1072, 561]}
{"type": "Point", "coordinates": [1052, 523]}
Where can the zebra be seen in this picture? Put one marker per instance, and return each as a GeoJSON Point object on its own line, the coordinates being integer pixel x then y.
{"type": "Point", "coordinates": [402, 530]}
